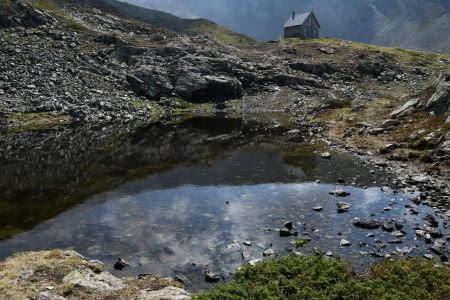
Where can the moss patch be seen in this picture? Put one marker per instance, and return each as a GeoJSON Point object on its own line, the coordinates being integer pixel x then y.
{"type": "Point", "coordinates": [337, 103]}
{"type": "Point", "coordinates": [50, 7]}
{"type": "Point", "coordinates": [217, 33]}
{"type": "Point", "coordinates": [38, 121]}
{"type": "Point", "coordinates": [300, 243]}
{"type": "Point", "coordinates": [319, 277]}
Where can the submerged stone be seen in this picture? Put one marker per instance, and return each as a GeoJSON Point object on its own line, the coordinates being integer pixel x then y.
{"type": "Point", "coordinates": [366, 224]}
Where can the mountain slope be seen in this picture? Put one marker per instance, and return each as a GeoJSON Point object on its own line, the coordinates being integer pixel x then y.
{"type": "Point", "coordinates": [420, 24]}
{"type": "Point", "coordinates": [165, 20]}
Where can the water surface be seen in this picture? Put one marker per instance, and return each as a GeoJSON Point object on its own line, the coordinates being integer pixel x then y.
{"type": "Point", "coordinates": [180, 198]}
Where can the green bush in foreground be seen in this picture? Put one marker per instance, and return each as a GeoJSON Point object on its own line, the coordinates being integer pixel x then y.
{"type": "Point", "coordinates": [319, 277]}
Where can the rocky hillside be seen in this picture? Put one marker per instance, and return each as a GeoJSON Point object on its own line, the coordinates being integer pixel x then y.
{"type": "Point", "coordinates": [66, 62]}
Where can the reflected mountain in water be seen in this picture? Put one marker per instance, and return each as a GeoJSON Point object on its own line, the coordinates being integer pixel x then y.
{"type": "Point", "coordinates": [172, 197]}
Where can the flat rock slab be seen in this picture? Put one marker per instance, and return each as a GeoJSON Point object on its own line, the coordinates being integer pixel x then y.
{"type": "Point", "coordinates": [167, 293]}
{"type": "Point", "coordinates": [86, 278]}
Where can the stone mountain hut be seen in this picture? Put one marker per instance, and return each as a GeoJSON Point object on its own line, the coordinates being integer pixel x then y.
{"type": "Point", "coordinates": [304, 25]}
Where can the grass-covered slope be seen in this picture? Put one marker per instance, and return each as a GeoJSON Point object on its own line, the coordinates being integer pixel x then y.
{"type": "Point", "coordinates": [165, 20]}
{"type": "Point", "coordinates": [318, 277]}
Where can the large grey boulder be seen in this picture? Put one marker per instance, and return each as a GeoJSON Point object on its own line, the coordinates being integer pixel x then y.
{"type": "Point", "coordinates": [313, 68]}
{"type": "Point", "coordinates": [167, 293]}
{"type": "Point", "coordinates": [406, 109]}
{"type": "Point", "coordinates": [197, 88]}
{"type": "Point", "coordinates": [150, 83]}
{"type": "Point", "coordinates": [439, 103]}
{"type": "Point", "coordinates": [124, 53]}
{"type": "Point", "coordinates": [371, 68]}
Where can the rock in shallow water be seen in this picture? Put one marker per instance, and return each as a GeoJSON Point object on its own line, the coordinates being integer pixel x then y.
{"type": "Point", "coordinates": [366, 224]}
{"type": "Point", "coordinates": [345, 243]}
{"type": "Point", "coordinates": [326, 155]}
{"type": "Point", "coordinates": [120, 264]}
{"type": "Point", "coordinates": [288, 225]}
{"type": "Point", "coordinates": [342, 207]}
{"type": "Point", "coordinates": [340, 193]}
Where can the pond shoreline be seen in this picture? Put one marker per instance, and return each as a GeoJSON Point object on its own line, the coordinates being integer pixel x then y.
{"type": "Point", "coordinates": [428, 187]}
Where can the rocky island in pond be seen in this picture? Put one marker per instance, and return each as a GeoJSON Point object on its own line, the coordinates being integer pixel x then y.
{"type": "Point", "coordinates": [147, 156]}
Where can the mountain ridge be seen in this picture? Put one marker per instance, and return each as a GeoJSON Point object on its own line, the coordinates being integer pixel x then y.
{"type": "Point", "coordinates": [415, 24]}
{"type": "Point", "coordinates": [169, 21]}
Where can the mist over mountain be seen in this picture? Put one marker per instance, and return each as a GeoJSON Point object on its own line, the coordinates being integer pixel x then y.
{"type": "Point", "coordinates": [421, 24]}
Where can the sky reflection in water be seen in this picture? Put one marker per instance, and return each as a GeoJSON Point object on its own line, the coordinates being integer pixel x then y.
{"type": "Point", "coordinates": [164, 224]}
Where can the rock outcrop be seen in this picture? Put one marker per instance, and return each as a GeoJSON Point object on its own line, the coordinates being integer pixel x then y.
{"type": "Point", "coordinates": [406, 109]}
{"type": "Point", "coordinates": [60, 275]}
{"type": "Point", "coordinates": [14, 14]}
{"type": "Point", "coordinates": [439, 103]}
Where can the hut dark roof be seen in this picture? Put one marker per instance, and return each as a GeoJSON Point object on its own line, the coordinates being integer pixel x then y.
{"type": "Point", "coordinates": [298, 19]}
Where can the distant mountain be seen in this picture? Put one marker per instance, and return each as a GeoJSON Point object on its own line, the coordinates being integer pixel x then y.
{"type": "Point", "coordinates": [420, 24]}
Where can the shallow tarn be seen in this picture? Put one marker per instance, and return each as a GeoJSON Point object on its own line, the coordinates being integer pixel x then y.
{"type": "Point", "coordinates": [182, 198]}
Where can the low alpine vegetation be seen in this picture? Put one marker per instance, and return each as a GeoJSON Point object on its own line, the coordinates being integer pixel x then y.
{"type": "Point", "coordinates": [319, 277]}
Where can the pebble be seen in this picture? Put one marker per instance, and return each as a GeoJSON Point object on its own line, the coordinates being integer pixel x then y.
{"type": "Point", "coordinates": [326, 155]}
{"type": "Point", "coordinates": [269, 252]}
{"type": "Point", "coordinates": [345, 243]}
{"type": "Point", "coordinates": [211, 277]}
{"type": "Point", "coordinates": [428, 256]}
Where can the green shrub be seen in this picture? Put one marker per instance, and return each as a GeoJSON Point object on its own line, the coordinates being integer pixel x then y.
{"type": "Point", "coordinates": [337, 103]}
{"type": "Point", "coordinates": [319, 277]}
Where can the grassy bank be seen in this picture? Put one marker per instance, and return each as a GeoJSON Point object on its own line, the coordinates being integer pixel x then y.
{"type": "Point", "coordinates": [318, 277]}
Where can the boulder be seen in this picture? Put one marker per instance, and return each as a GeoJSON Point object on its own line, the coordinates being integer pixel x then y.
{"type": "Point", "coordinates": [366, 224]}
{"type": "Point", "coordinates": [167, 293]}
{"type": "Point", "coordinates": [150, 83]}
{"type": "Point", "coordinates": [50, 296]}
{"type": "Point", "coordinates": [86, 278]}
{"type": "Point", "coordinates": [371, 68]}
{"type": "Point", "coordinates": [327, 51]}
{"type": "Point", "coordinates": [197, 88]}
{"type": "Point", "coordinates": [439, 103]}
{"type": "Point", "coordinates": [125, 52]}
{"type": "Point", "coordinates": [313, 68]}
{"type": "Point", "coordinates": [387, 77]}
{"type": "Point", "coordinates": [291, 81]}
{"type": "Point", "coordinates": [406, 109]}
{"type": "Point", "coordinates": [110, 39]}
